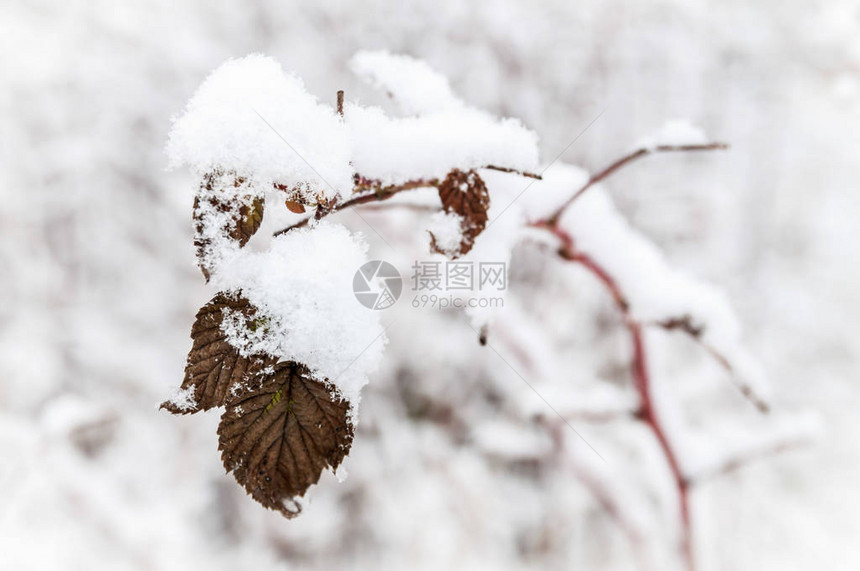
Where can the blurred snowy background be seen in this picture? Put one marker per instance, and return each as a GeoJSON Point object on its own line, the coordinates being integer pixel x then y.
{"type": "Point", "coordinates": [99, 289]}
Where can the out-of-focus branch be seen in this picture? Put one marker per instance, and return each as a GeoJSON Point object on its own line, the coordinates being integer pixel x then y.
{"type": "Point", "coordinates": [639, 364]}
{"type": "Point", "coordinates": [686, 325]}
{"type": "Point", "coordinates": [590, 477]}
{"type": "Point", "coordinates": [642, 384]}
{"type": "Point", "coordinates": [741, 458]}
{"type": "Point", "coordinates": [521, 339]}
{"type": "Point", "coordinates": [641, 381]}
{"type": "Point", "coordinates": [627, 159]}
{"type": "Point", "coordinates": [602, 416]}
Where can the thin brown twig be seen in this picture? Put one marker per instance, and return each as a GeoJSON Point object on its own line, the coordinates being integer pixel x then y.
{"type": "Point", "coordinates": [378, 193]}
{"type": "Point", "coordinates": [375, 190]}
{"type": "Point", "coordinates": [741, 459]}
{"type": "Point", "coordinates": [514, 171]}
{"type": "Point", "coordinates": [695, 332]}
{"type": "Point", "coordinates": [627, 159]}
{"type": "Point", "coordinates": [340, 103]}
{"type": "Point", "coordinates": [300, 224]}
{"type": "Point", "coordinates": [745, 389]}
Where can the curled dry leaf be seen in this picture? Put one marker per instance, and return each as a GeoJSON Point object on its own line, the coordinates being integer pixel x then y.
{"type": "Point", "coordinates": [278, 438]}
{"type": "Point", "coordinates": [463, 194]}
{"type": "Point", "coordinates": [301, 195]}
{"type": "Point", "coordinates": [223, 210]}
{"type": "Point", "coordinates": [295, 207]}
{"type": "Point", "coordinates": [215, 370]}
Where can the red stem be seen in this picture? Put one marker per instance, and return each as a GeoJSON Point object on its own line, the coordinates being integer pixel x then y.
{"type": "Point", "coordinates": [629, 158]}
{"type": "Point", "coordinates": [641, 381]}
{"type": "Point", "coordinates": [370, 190]}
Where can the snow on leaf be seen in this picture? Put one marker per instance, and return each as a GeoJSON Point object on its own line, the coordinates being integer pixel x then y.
{"type": "Point", "coordinates": [250, 117]}
{"type": "Point", "coordinates": [215, 370]}
{"type": "Point", "coordinates": [303, 285]}
{"type": "Point", "coordinates": [279, 438]}
{"type": "Point", "coordinates": [446, 233]}
{"type": "Point", "coordinates": [227, 211]}
{"type": "Point", "coordinates": [463, 194]}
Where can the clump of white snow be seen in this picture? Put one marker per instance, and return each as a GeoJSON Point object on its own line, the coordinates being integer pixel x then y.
{"type": "Point", "coordinates": [447, 232]}
{"type": "Point", "coordinates": [417, 88]}
{"type": "Point", "coordinates": [677, 132]}
{"type": "Point", "coordinates": [302, 288]}
{"type": "Point", "coordinates": [252, 118]}
{"type": "Point", "coordinates": [394, 150]}
{"type": "Point", "coordinates": [446, 134]}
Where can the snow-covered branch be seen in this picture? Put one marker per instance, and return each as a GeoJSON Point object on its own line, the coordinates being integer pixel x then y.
{"type": "Point", "coordinates": [626, 160]}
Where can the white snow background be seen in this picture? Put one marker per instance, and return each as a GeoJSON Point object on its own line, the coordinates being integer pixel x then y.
{"type": "Point", "coordinates": [99, 283]}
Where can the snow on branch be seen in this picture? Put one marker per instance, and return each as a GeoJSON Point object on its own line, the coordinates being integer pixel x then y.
{"type": "Point", "coordinates": [742, 369]}
{"type": "Point", "coordinates": [645, 289]}
{"type": "Point", "coordinates": [629, 158]}
{"type": "Point", "coordinates": [655, 292]}
{"type": "Point", "coordinates": [416, 87]}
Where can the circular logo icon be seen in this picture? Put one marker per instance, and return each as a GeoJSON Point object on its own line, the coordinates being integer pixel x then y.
{"type": "Point", "coordinates": [377, 285]}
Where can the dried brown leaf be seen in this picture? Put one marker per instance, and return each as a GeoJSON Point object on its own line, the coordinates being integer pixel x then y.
{"type": "Point", "coordinates": [464, 194]}
{"type": "Point", "coordinates": [295, 207]}
{"type": "Point", "coordinates": [278, 438]}
{"type": "Point", "coordinates": [301, 195]}
{"type": "Point", "coordinates": [215, 370]}
{"type": "Point", "coordinates": [245, 214]}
